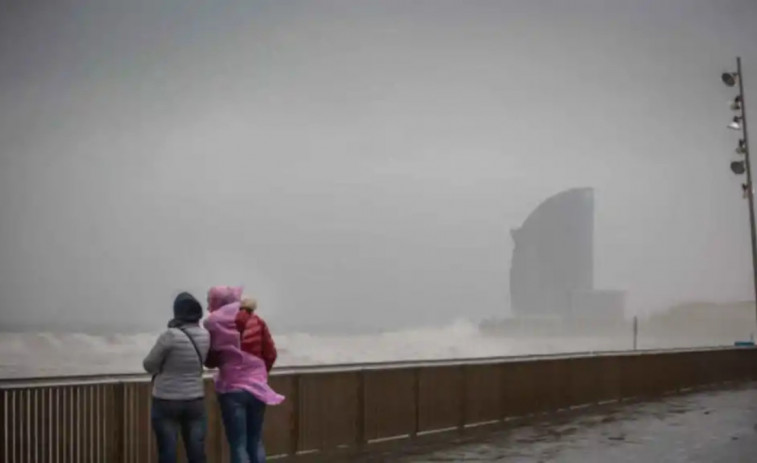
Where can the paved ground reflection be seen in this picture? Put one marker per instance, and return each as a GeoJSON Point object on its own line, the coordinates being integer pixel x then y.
{"type": "Point", "coordinates": [711, 427]}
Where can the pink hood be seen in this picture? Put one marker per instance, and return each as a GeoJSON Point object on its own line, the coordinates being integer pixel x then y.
{"type": "Point", "coordinates": [219, 296]}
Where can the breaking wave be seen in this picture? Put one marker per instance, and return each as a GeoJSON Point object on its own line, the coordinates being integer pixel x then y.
{"type": "Point", "coordinates": [62, 354]}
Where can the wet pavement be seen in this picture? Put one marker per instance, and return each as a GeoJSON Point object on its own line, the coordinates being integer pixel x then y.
{"type": "Point", "coordinates": [711, 427]}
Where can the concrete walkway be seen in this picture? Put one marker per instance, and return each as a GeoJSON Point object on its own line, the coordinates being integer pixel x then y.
{"type": "Point", "coordinates": [707, 427]}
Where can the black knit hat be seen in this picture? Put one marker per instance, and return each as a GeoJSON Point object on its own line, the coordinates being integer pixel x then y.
{"type": "Point", "coordinates": [187, 309]}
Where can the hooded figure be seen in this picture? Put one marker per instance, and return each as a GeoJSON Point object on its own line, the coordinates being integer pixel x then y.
{"type": "Point", "coordinates": [186, 311]}
{"type": "Point", "coordinates": [176, 363]}
{"type": "Point", "coordinates": [237, 369]}
{"type": "Point", "coordinates": [242, 379]}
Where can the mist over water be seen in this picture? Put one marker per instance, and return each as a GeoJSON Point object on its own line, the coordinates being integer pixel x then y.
{"type": "Point", "coordinates": [358, 167]}
{"type": "Point", "coordinates": [700, 325]}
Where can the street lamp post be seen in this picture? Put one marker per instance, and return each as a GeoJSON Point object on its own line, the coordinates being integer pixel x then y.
{"type": "Point", "coordinates": [739, 123]}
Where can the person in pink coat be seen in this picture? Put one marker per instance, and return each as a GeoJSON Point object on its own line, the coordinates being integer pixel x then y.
{"type": "Point", "coordinates": [242, 379]}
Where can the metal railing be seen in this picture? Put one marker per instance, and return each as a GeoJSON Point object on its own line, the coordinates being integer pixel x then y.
{"type": "Point", "coordinates": [107, 418]}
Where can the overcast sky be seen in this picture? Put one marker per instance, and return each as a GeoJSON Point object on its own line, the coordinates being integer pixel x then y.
{"type": "Point", "coordinates": [357, 163]}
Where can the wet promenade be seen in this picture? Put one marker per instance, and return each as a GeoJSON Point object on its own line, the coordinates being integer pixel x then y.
{"type": "Point", "coordinates": [706, 427]}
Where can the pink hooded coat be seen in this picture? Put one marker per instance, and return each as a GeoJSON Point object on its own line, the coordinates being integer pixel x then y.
{"type": "Point", "coordinates": [238, 370]}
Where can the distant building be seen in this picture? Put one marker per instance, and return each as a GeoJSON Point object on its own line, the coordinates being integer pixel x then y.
{"type": "Point", "coordinates": [552, 270]}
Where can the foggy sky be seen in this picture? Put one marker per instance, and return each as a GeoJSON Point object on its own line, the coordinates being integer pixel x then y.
{"type": "Point", "coordinates": [357, 163]}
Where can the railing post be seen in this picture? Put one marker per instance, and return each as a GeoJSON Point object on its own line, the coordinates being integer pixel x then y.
{"type": "Point", "coordinates": [116, 442]}
{"type": "Point", "coordinates": [294, 425]}
{"type": "Point", "coordinates": [503, 392]}
{"type": "Point", "coordinates": [215, 436]}
{"type": "Point", "coordinates": [463, 391]}
{"type": "Point", "coordinates": [5, 426]}
{"type": "Point", "coordinates": [361, 402]}
{"type": "Point", "coordinates": [416, 401]}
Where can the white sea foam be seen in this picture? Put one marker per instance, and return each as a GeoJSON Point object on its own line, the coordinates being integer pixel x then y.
{"type": "Point", "coordinates": [54, 354]}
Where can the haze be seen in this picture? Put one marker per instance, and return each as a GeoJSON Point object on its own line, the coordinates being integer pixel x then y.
{"type": "Point", "coordinates": [360, 164]}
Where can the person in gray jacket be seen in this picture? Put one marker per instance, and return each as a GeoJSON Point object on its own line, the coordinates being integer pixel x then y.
{"type": "Point", "coordinates": [176, 363]}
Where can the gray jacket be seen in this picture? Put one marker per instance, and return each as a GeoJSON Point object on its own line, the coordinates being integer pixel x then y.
{"type": "Point", "coordinates": [175, 362]}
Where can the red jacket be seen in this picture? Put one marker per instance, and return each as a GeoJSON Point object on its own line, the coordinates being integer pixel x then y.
{"type": "Point", "coordinates": [256, 338]}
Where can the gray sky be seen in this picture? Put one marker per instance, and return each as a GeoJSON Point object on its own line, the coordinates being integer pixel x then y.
{"type": "Point", "coordinates": [361, 162]}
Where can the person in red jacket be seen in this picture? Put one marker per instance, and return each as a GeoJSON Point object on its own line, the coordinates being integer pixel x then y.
{"type": "Point", "coordinates": [256, 337]}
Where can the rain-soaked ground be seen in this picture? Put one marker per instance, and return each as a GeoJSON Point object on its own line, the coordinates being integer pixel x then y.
{"type": "Point", "coordinates": [711, 427]}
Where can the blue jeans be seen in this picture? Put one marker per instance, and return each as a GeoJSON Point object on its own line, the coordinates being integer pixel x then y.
{"type": "Point", "coordinates": [171, 416]}
{"type": "Point", "coordinates": [243, 415]}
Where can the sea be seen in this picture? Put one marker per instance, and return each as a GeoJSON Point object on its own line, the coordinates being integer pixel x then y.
{"type": "Point", "coordinates": [46, 354]}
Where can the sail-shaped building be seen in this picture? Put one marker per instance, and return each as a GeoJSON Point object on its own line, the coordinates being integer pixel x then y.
{"type": "Point", "coordinates": [552, 270]}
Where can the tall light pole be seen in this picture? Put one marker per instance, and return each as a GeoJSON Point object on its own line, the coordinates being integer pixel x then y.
{"type": "Point", "coordinates": [739, 167]}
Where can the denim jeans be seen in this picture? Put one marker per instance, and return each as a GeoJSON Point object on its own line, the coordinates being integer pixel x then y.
{"type": "Point", "coordinates": [243, 415]}
{"type": "Point", "coordinates": [169, 417]}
